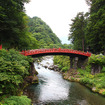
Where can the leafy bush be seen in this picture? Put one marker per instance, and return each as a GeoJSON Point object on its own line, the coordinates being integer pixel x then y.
{"type": "Point", "coordinates": [97, 59]}
{"type": "Point", "coordinates": [63, 62]}
{"type": "Point", "coordinates": [103, 93]}
{"type": "Point", "coordinates": [103, 69]}
{"type": "Point", "coordinates": [17, 100]}
{"type": "Point", "coordinates": [13, 68]}
{"type": "Point", "coordinates": [84, 80]}
{"type": "Point", "coordinates": [64, 69]}
{"type": "Point", "coordinates": [60, 67]}
{"type": "Point", "coordinates": [97, 80]}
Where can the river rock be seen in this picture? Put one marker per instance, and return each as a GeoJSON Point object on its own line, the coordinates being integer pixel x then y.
{"type": "Point", "coordinates": [35, 79]}
{"type": "Point", "coordinates": [51, 67]}
{"type": "Point", "coordinates": [38, 67]}
{"type": "Point", "coordinates": [47, 63]}
{"type": "Point", "coordinates": [45, 66]}
{"type": "Point", "coordinates": [31, 79]}
{"type": "Point", "coordinates": [54, 67]}
{"type": "Point", "coordinates": [94, 89]}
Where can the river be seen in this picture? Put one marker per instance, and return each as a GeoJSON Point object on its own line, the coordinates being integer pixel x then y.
{"type": "Point", "coordinates": [54, 90]}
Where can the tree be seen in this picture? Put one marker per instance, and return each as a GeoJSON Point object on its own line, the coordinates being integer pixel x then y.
{"type": "Point", "coordinates": [42, 32]}
{"type": "Point", "coordinates": [77, 31]}
{"type": "Point", "coordinates": [96, 27]}
{"type": "Point", "coordinates": [13, 24]}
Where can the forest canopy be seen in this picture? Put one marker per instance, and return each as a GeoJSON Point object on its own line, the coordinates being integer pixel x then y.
{"type": "Point", "coordinates": [42, 32]}
{"type": "Point", "coordinates": [19, 31]}
{"type": "Point", "coordinates": [87, 30]}
{"type": "Point", "coordinates": [13, 25]}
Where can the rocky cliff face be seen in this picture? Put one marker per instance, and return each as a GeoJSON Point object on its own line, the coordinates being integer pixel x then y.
{"type": "Point", "coordinates": [32, 78]}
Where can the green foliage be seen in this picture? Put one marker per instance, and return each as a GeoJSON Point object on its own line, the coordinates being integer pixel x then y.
{"type": "Point", "coordinates": [63, 62]}
{"type": "Point", "coordinates": [64, 69]}
{"type": "Point", "coordinates": [85, 76]}
{"type": "Point", "coordinates": [13, 25]}
{"type": "Point", "coordinates": [77, 31]}
{"type": "Point", "coordinates": [43, 33]}
{"type": "Point", "coordinates": [96, 25]}
{"type": "Point", "coordinates": [67, 46]}
{"type": "Point", "coordinates": [13, 68]}
{"type": "Point", "coordinates": [103, 69]}
{"type": "Point", "coordinates": [87, 30]}
{"type": "Point", "coordinates": [97, 80]}
{"type": "Point", "coordinates": [17, 100]}
{"type": "Point", "coordinates": [97, 59]}
{"type": "Point", "coordinates": [103, 93]}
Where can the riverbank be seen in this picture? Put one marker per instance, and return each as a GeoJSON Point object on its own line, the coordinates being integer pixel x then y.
{"type": "Point", "coordinates": [93, 82]}
{"type": "Point", "coordinates": [52, 89]}
{"type": "Point", "coordinates": [92, 77]}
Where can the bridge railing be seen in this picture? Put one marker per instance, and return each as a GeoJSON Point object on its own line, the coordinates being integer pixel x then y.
{"type": "Point", "coordinates": [59, 50]}
{"type": "Point", "coordinates": [0, 47]}
{"type": "Point", "coordinates": [54, 50]}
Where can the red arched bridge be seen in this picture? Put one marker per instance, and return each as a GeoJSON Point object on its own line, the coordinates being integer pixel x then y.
{"type": "Point", "coordinates": [54, 51]}
{"type": "Point", "coordinates": [78, 59]}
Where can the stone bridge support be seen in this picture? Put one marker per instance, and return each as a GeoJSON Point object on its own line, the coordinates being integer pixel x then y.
{"type": "Point", "coordinates": [82, 62]}
{"type": "Point", "coordinates": [78, 62]}
{"type": "Point", "coordinates": [71, 62]}
{"type": "Point", "coordinates": [95, 68]}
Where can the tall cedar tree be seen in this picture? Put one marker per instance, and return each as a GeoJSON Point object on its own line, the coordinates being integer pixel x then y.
{"type": "Point", "coordinates": [96, 27]}
{"type": "Point", "coordinates": [77, 31]}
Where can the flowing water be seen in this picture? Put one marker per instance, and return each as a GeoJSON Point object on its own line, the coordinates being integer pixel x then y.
{"type": "Point", "coordinates": [54, 90]}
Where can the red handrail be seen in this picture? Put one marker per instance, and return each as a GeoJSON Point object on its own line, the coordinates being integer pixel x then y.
{"type": "Point", "coordinates": [0, 47]}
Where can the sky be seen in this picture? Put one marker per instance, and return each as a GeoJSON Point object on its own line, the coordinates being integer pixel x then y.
{"type": "Point", "coordinates": [57, 14]}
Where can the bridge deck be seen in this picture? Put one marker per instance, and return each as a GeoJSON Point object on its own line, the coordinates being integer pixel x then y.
{"type": "Point", "coordinates": [55, 52]}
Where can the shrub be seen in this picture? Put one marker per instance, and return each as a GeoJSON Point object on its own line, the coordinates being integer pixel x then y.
{"type": "Point", "coordinates": [84, 80]}
{"type": "Point", "coordinates": [64, 69]}
{"type": "Point", "coordinates": [63, 62]}
{"type": "Point", "coordinates": [103, 93]}
{"type": "Point", "coordinates": [97, 59]}
{"type": "Point", "coordinates": [17, 100]}
{"type": "Point", "coordinates": [13, 68]}
{"type": "Point", "coordinates": [103, 69]}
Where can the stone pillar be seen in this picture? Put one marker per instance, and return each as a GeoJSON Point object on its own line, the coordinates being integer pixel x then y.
{"type": "Point", "coordinates": [82, 62]}
{"type": "Point", "coordinates": [75, 63]}
{"type": "Point", "coordinates": [95, 68]}
{"type": "Point", "coordinates": [71, 62]}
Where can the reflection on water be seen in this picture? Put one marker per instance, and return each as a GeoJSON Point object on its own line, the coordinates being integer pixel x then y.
{"type": "Point", "coordinates": [54, 90]}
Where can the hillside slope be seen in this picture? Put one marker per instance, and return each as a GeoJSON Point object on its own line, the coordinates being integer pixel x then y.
{"type": "Point", "coordinates": [43, 33]}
